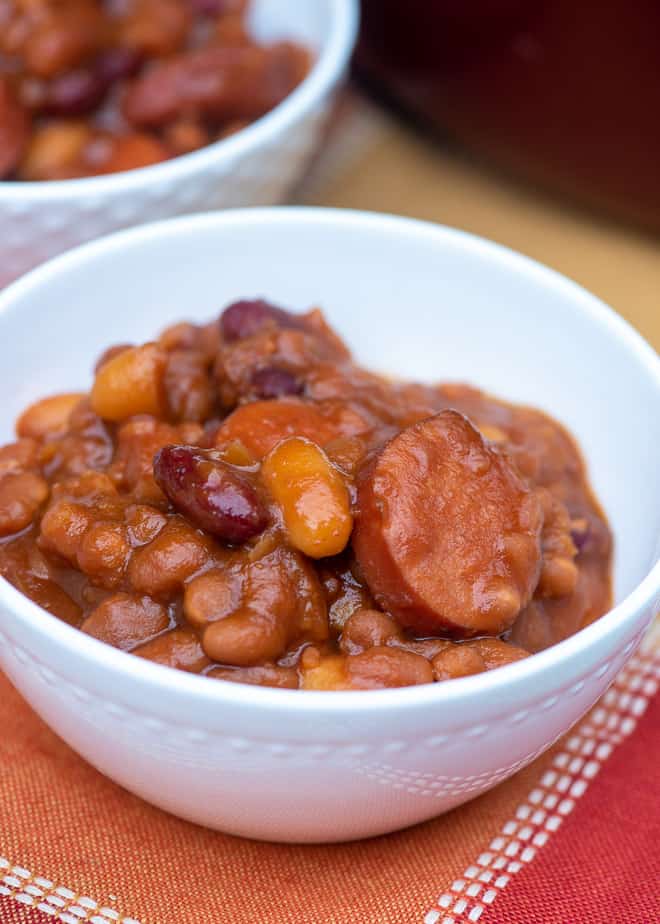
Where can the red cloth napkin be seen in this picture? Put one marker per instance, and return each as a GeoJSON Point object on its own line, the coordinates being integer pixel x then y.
{"type": "Point", "coordinates": [572, 839]}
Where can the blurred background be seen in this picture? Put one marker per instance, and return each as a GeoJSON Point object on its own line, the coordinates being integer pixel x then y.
{"type": "Point", "coordinates": [532, 122]}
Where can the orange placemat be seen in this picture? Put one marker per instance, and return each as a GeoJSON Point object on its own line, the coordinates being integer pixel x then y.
{"type": "Point", "coordinates": [580, 825]}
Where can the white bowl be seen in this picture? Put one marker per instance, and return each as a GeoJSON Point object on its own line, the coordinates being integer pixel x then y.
{"type": "Point", "coordinates": [417, 300]}
{"type": "Point", "coordinates": [257, 166]}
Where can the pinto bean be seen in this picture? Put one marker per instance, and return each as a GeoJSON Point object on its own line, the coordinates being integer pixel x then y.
{"type": "Point", "coordinates": [179, 648]}
{"type": "Point", "coordinates": [263, 607]}
{"type": "Point", "coordinates": [214, 495]}
{"type": "Point", "coordinates": [126, 620]}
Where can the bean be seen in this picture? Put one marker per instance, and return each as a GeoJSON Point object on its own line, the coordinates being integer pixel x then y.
{"type": "Point", "coordinates": [210, 7]}
{"type": "Point", "coordinates": [110, 353]}
{"type": "Point", "coordinates": [104, 552]}
{"type": "Point", "coordinates": [312, 496]}
{"type": "Point", "coordinates": [248, 316]}
{"type": "Point", "coordinates": [117, 64]}
{"type": "Point", "coordinates": [271, 382]}
{"type": "Point", "coordinates": [160, 568]}
{"type": "Point", "coordinates": [131, 152]}
{"type": "Point", "coordinates": [21, 496]}
{"type": "Point", "coordinates": [263, 675]}
{"type": "Point", "coordinates": [380, 668]}
{"type": "Point", "coordinates": [130, 383]}
{"type": "Point", "coordinates": [48, 417]}
{"type": "Point", "coordinates": [179, 648]}
{"type": "Point", "coordinates": [465, 659]}
{"type": "Point", "coordinates": [125, 620]}
{"type": "Point", "coordinates": [74, 94]}
{"type": "Point", "coordinates": [213, 495]}
{"type": "Point", "coordinates": [215, 82]}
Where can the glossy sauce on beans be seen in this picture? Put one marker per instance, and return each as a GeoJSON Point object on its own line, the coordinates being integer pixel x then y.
{"type": "Point", "coordinates": [90, 87]}
{"type": "Point", "coordinates": [241, 499]}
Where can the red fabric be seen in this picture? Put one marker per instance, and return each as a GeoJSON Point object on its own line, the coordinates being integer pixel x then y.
{"type": "Point", "coordinates": [603, 865]}
{"type": "Point", "coordinates": [13, 912]}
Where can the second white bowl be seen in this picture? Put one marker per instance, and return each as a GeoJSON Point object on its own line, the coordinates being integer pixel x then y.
{"type": "Point", "coordinates": [257, 166]}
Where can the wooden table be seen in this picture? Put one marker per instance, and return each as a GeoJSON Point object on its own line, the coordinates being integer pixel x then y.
{"type": "Point", "coordinates": [379, 163]}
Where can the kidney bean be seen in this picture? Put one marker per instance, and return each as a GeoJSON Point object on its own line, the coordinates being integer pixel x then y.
{"type": "Point", "coordinates": [215, 496]}
{"type": "Point", "coordinates": [271, 382]}
{"type": "Point", "coordinates": [14, 129]}
{"type": "Point", "coordinates": [221, 83]}
{"type": "Point", "coordinates": [117, 64]}
{"type": "Point", "coordinates": [248, 316]}
{"type": "Point", "coordinates": [74, 94]}
{"type": "Point", "coordinates": [211, 7]}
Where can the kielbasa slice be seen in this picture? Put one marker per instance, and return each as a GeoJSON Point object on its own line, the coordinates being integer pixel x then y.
{"type": "Point", "coordinates": [447, 534]}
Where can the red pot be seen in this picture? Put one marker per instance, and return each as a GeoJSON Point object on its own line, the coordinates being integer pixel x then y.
{"type": "Point", "coordinates": [563, 92]}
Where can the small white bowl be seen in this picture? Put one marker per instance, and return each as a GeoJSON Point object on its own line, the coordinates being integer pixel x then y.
{"type": "Point", "coordinates": [257, 166]}
{"type": "Point", "coordinates": [420, 301]}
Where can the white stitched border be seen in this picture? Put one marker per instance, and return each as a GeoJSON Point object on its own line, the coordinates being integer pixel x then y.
{"type": "Point", "coordinates": [61, 903]}
{"type": "Point", "coordinates": [555, 795]}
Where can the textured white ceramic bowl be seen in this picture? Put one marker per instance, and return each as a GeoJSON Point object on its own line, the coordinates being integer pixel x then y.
{"type": "Point", "coordinates": [411, 298]}
{"type": "Point", "coordinates": [257, 166]}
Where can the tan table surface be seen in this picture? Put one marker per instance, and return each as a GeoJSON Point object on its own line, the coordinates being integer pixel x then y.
{"type": "Point", "coordinates": [396, 169]}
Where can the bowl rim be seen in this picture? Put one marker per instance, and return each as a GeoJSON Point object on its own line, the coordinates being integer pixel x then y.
{"type": "Point", "coordinates": [337, 703]}
{"type": "Point", "coordinates": [326, 71]}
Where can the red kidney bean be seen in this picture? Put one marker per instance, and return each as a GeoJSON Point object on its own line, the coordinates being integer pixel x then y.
{"type": "Point", "coordinates": [212, 494]}
{"type": "Point", "coordinates": [209, 7]}
{"type": "Point", "coordinates": [118, 63]}
{"type": "Point", "coordinates": [74, 94]}
{"type": "Point", "coordinates": [272, 382]}
{"type": "Point", "coordinates": [246, 317]}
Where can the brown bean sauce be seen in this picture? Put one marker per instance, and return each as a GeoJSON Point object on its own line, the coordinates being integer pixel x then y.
{"type": "Point", "coordinates": [351, 532]}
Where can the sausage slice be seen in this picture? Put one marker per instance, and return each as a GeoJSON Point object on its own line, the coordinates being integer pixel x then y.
{"type": "Point", "coordinates": [447, 534]}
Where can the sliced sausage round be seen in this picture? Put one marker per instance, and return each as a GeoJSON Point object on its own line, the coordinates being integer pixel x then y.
{"type": "Point", "coordinates": [447, 534]}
